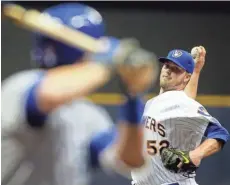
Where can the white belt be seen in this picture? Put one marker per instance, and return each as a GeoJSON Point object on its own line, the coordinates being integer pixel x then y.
{"type": "Point", "coordinates": [174, 183]}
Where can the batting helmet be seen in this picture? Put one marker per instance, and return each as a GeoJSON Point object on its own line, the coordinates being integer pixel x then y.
{"type": "Point", "coordinates": [48, 52]}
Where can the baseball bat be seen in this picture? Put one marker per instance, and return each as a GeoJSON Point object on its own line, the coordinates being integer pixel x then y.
{"type": "Point", "coordinates": [36, 21]}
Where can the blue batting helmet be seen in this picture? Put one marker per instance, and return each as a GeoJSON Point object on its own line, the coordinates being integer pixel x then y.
{"type": "Point", "coordinates": [48, 52]}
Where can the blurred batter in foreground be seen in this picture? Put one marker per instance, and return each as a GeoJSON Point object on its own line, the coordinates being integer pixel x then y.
{"type": "Point", "coordinates": [50, 134]}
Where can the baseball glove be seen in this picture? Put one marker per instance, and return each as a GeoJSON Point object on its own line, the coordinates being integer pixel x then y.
{"type": "Point", "coordinates": [178, 161]}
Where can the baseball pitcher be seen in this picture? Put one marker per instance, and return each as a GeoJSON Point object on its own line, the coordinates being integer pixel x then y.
{"type": "Point", "coordinates": [178, 131]}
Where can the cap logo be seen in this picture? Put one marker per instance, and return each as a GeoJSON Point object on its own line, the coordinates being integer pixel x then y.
{"type": "Point", "coordinates": [177, 53]}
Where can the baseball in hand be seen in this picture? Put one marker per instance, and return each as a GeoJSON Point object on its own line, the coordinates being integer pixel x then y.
{"type": "Point", "coordinates": [195, 52]}
{"type": "Point", "coordinates": [198, 53]}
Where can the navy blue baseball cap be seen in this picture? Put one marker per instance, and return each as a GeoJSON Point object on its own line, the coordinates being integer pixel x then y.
{"type": "Point", "coordinates": [181, 58]}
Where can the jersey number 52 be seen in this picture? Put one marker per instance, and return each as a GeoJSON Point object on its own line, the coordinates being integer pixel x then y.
{"type": "Point", "coordinates": [154, 147]}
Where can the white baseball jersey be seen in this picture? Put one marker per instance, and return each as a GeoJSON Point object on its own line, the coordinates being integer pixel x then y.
{"type": "Point", "coordinates": [55, 154]}
{"type": "Point", "coordinates": [170, 119]}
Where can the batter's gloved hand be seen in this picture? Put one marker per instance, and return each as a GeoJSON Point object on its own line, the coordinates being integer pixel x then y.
{"type": "Point", "coordinates": [139, 74]}
{"type": "Point", "coordinates": [177, 161]}
{"type": "Point", "coordinates": [119, 52]}
{"type": "Point", "coordinates": [137, 68]}
{"type": "Point", "coordinates": [114, 52]}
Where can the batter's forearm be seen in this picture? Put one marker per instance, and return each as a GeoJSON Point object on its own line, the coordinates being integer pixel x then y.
{"type": "Point", "coordinates": [192, 86]}
{"type": "Point", "coordinates": [130, 144]}
{"type": "Point", "coordinates": [208, 147]}
{"type": "Point", "coordinates": [130, 141]}
{"type": "Point", "coordinates": [66, 83]}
